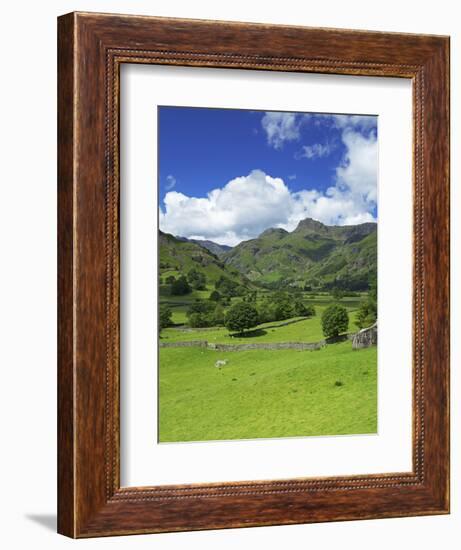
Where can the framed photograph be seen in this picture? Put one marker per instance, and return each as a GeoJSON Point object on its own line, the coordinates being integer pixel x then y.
{"type": "Point", "coordinates": [253, 275]}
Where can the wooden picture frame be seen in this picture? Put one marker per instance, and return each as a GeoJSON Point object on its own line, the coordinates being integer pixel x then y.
{"type": "Point", "coordinates": [92, 47]}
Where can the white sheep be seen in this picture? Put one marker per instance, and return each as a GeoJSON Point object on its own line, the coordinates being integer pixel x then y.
{"type": "Point", "coordinates": [220, 363]}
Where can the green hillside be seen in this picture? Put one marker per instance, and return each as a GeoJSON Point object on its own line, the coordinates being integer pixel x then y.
{"type": "Point", "coordinates": [313, 254]}
{"type": "Point", "coordinates": [177, 257]}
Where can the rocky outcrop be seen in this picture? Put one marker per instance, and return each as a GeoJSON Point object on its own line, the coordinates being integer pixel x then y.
{"type": "Point", "coordinates": [366, 337]}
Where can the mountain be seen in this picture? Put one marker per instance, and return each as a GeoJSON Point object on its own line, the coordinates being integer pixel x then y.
{"type": "Point", "coordinates": [313, 254]}
{"type": "Point", "coordinates": [215, 248]}
{"type": "Point", "coordinates": [178, 256]}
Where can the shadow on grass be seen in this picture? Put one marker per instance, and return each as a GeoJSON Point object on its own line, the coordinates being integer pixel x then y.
{"type": "Point", "coordinates": [336, 339]}
{"type": "Point", "coordinates": [249, 334]}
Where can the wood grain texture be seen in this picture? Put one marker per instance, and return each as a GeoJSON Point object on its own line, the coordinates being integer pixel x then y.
{"type": "Point", "coordinates": [91, 49]}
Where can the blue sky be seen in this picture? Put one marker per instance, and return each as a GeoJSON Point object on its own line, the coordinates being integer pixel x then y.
{"type": "Point", "coordinates": [227, 174]}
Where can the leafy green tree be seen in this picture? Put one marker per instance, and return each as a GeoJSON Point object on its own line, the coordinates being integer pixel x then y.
{"type": "Point", "coordinates": [250, 296]}
{"type": "Point", "coordinates": [180, 287]}
{"type": "Point", "coordinates": [215, 296]}
{"type": "Point", "coordinates": [200, 320]}
{"type": "Point", "coordinates": [164, 317]}
{"type": "Point", "coordinates": [218, 315]}
{"type": "Point", "coordinates": [201, 307]}
{"type": "Point", "coordinates": [225, 300]}
{"type": "Point", "coordinates": [266, 312]}
{"type": "Point", "coordinates": [283, 310]}
{"type": "Point", "coordinates": [299, 309]}
{"type": "Point", "coordinates": [196, 279]}
{"type": "Point", "coordinates": [338, 294]}
{"type": "Point", "coordinates": [302, 310]}
{"type": "Point", "coordinates": [200, 314]}
{"type": "Point", "coordinates": [366, 314]}
{"type": "Point", "coordinates": [335, 320]}
{"type": "Point", "coordinates": [170, 280]}
{"type": "Point", "coordinates": [227, 286]}
{"type": "Point", "coordinates": [373, 292]}
{"type": "Point", "coordinates": [280, 297]}
{"type": "Point", "coordinates": [240, 317]}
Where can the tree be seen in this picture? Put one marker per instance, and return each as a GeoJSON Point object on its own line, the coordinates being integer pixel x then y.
{"type": "Point", "coordinates": [240, 317]}
{"type": "Point", "coordinates": [200, 306]}
{"type": "Point", "coordinates": [215, 296]}
{"type": "Point", "coordinates": [225, 300]}
{"type": "Point", "coordinates": [266, 312]}
{"type": "Point", "coordinates": [282, 303]}
{"type": "Point", "coordinates": [180, 287]}
{"type": "Point", "coordinates": [227, 286]}
{"type": "Point", "coordinates": [299, 309]}
{"type": "Point", "coordinates": [283, 310]}
{"type": "Point", "coordinates": [367, 313]}
{"type": "Point", "coordinates": [338, 294]}
{"type": "Point", "coordinates": [164, 317]}
{"type": "Point", "coordinates": [170, 279]}
{"type": "Point", "coordinates": [199, 320]}
{"type": "Point", "coordinates": [200, 314]}
{"type": "Point", "coordinates": [335, 320]}
{"type": "Point", "coordinates": [196, 279]}
{"type": "Point", "coordinates": [218, 315]}
{"type": "Point", "coordinates": [250, 296]}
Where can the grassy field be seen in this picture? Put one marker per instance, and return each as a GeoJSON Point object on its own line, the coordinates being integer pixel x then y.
{"type": "Point", "coordinates": [262, 394]}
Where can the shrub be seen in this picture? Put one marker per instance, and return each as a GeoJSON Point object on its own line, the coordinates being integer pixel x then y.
{"type": "Point", "coordinates": [200, 306]}
{"type": "Point", "coordinates": [200, 320]}
{"type": "Point", "coordinates": [299, 309]}
{"type": "Point", "coordinates": [170, 280]}
{"type": "Point", "coordinates": [250, 297]}
{"type": "Point", "coordinates": [218, 315]}
{"type": "Point", "coordinates": [338, 294]}
{"type": "Point", "coordinates": [215, 296]}
{"type": "Point", "coordinates": [335, 320]}
{"type": "Point", "coordinates": [266, 312]}
{"type": "Point", "coordinates": [229, 287]}
{"type": "Point", "coordinates": [240, 317]}
{"type": "Point", "coordinates": [180, 287]}
{"type": "Point", "coordinates": [164, 317]}
{"type": "Point", "coordinates": [367, 313]}
{"type": "Point", "coordinates": [196, 279]}
{"type": "Point", "coordinates": [200, 314]}
{"type": "Point", "coordinates": [225, 300]}
{"type": "Point", "coordinates": [283, 310]}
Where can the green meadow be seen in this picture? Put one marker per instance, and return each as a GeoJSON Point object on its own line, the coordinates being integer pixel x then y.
{"type": "Point", "coordinates": [264, 393]}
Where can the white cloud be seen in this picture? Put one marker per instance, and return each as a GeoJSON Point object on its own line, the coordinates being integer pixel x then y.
{"type": "Point", "coordinates": [356, 122]}
{"type": "Point", "coordinates": [247, 205]}
{"type": "Point", "coordinates": [240, 210]}
{"type": "Point", "coordinates": [358, 171]}
{"type": "Point", "coordinates": [315, 151]}
{"type": "Point", "coordinates": [170, 182]}
{"type": "Point", "coordinates": [281, 127]}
